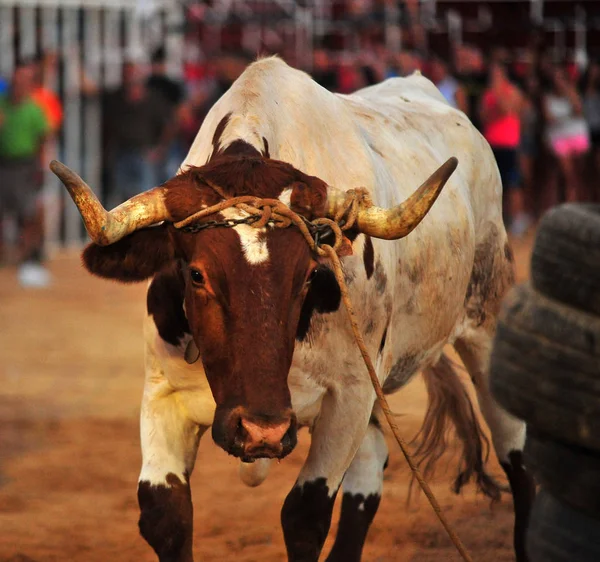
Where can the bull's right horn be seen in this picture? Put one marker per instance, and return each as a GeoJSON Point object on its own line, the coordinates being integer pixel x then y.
{"type": "Point", "coordinates": [395, 223]}
{"type": "Point", "coordinates": [106, 227]}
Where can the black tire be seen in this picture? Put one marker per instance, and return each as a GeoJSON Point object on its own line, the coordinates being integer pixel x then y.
{"type": "Point", "coordinates": [570, 473]}
{"type": "Point", "coordinates": [559, 533]}
{"type": "Point", "coordinates": [565, 264]}
{"type": "Point", "coordinates": [545, 367]}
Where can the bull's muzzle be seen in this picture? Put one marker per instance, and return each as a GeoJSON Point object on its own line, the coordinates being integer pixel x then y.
{"type": "Point", "coordinates": [251, 436]}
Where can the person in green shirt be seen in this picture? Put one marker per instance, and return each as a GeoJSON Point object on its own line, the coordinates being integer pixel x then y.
{"type": "Point", "coordinates": [23, 129]}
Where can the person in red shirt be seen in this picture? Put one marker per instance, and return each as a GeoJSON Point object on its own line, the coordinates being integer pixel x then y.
{"type": "Point", "coordinates": [501, 106]}
{"type": "Point", "coordinates": [45, 97]}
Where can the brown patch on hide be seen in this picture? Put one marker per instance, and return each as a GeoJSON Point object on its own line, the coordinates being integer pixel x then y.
{"type": "Point", "coordinates": [356, 516]}
{"type": "Point", "coordinates": [492, 275]}
{"type": "Point", "coordinates": [380, 278]}
{"type": "Point", "coordinates": [306, 517]}
{"type": "Point", "coordinates": [166, 518]}
{"type": "Point", "coordinates": [369, 257]}
{"type": "Point", "coordinates": [219, 130]}
{"type": "Point", "coordinates": [508, 253]}
{"type": "Point", "coordinates": [400, 373]}
{"type": "Point", "coordinates": [450, 402]}
{"type": "Point", "coordinates": [411, 305]}
{"type": "Point", "coordinates": [415, 272]}
{"type": "Point", "coordinates": [383, 339]}
{"type": "Point", "coordinates": [239, 148]}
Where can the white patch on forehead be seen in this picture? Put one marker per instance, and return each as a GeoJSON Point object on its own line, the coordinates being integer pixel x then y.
{"type": "Point", "coordinates": [252, 240]}
{"type": "Point", "coordinates": [286, 196]}
{"type": "Point", "coordinates": [254, 245]}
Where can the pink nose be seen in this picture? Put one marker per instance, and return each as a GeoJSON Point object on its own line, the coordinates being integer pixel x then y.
{"type": "Point", "coordinates": [264, 437]}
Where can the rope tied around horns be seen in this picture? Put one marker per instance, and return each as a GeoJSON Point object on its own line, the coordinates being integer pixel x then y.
{"type": "Point", "coordinates": [262, 212]}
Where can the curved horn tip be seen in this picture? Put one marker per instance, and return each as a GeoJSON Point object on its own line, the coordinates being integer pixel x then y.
{"type": "Point", "coordinates": [452, 163]}
{"type": "Point", "coordinates": [62, 170]}
{"type": "Point", "coordinates": [56, 166]}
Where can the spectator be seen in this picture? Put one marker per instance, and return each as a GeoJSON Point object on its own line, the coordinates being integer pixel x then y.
{"type": "Point", "coordinates": [138, 132]}
{"type": "Point", "coordinates": [500, 116]}
{"type": "Point", "coordinates": [447, 84]}
{"type": "Point", "coordinates": [566, 130]}
{"type": "Point", "coordinates": [529, 148]}
{"type": "Point", "coordinates": [45, 97]}
{"type": "Point", "coordinates": [3, 86]}
{"type": "Point", "coordinates": [23, 129]}
{"type": "Point", "coordinates": [372, 66]}
{"type": "Point", "coordinates": [471, 75]}
{"type": "Point", "coordinates": [324, 72]}
{"type": "Point", "coordinates": [350, 75]}
{"type": "Point", "coordinates": [173, 92]}
{"type": "Point", "coordinates": [591, 108]}
{"type": "Point", "coordinates": [408, 62]}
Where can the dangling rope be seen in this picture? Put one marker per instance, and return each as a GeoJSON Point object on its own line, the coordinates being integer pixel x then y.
{"type": "Point", "coordinates": [272, 211]}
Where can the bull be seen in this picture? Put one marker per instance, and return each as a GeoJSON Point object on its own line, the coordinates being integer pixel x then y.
{"type": "Point", "coordinates": [244, 331]}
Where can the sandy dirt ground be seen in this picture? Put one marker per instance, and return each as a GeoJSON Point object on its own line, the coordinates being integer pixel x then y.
{"type": "Point", "coordinates": [71, 373]}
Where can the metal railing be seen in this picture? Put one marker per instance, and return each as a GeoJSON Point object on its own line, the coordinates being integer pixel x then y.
{"type": "Point", "coordinates": [91, 39]}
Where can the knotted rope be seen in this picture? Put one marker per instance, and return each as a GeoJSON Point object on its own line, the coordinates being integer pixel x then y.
{"type": "Point", "coordinates": [274, 212]}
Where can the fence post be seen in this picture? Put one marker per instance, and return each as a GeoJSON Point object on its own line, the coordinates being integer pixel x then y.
{"type": "Point", "coordinates": [53, 196]}
{"type": "Point", "coordinates": [174, 40]}
{"type": "Point", "coordinates": [7, 33]}
{"type": "Point", "coordinates": [72, 102]}
{"type": "Point", "coordinates": [92, 116]}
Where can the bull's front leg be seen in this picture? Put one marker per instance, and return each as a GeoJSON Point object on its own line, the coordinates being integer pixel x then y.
{"type": "Point", "coordinates": [337, 435]}
{"type": "Point", "coordinates": [169, 446]}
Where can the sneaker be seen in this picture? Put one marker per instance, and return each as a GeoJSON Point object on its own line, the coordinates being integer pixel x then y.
{"type": "Point", "coordinates": [33, 274]}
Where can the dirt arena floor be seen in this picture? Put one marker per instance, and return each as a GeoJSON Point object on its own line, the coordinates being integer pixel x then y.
{"type": "Point", "coordinates": [71, 379]}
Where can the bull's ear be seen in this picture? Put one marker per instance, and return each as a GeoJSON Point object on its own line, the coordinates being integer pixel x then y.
{"type": "Point", "coordinates": [133, 258]}
{"type": "Point", "coordinates": [324, 295]}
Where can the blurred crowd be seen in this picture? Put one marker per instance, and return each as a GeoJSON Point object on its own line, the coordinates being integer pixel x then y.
{"type": "Point", "coordinates": [541, 119]}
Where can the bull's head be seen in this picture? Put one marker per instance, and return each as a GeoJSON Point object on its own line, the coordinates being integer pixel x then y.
{"type": "Point", "coordinates": [247, 293]}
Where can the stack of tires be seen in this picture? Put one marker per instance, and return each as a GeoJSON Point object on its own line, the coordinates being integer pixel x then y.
{"type": "Point", "coordinates": [545, 369]}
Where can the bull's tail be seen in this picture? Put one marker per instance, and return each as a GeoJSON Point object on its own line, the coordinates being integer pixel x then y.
{"type": "Point", "coordinates": [450, 402]}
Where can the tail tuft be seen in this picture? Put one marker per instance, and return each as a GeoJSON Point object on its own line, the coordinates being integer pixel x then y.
{"type": "Point", "coordinates": [450, 402]}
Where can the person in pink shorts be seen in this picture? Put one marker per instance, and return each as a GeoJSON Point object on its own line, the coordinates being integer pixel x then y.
{"type": "Point", "coordinates": [566, 131]}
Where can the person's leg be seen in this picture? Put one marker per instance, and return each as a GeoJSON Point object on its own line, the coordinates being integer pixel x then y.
{"type": "Point", "coordinates": [526, 164]}
{"type": "Point", "coordinates": [149, 173]}
{"type": "Point", "coordinates": [516, 196]}
{"type": "Point", "coordinates": [501, 161]}
{"type": "Point", "coordinates": [30, 212]}
{"type": "Point", "coordinates": [567, 167]}
{"type": "Point", "coordinates": [580, 146]}
{"type": "Point", "coordinates": [131, 174]}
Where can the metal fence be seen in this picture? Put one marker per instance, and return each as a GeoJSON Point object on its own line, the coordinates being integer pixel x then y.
{"type": "Point", "coordinates": [92, 39]}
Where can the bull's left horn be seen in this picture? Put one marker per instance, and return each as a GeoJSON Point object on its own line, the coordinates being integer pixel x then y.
{"type": "Point", "coordinates": [395, 223]}
{"type": "Point", "coordinates": [106, 227]}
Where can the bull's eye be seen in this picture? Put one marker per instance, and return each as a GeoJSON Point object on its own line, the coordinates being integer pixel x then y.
{"type": "Point", "coordinates": [196, 277]}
